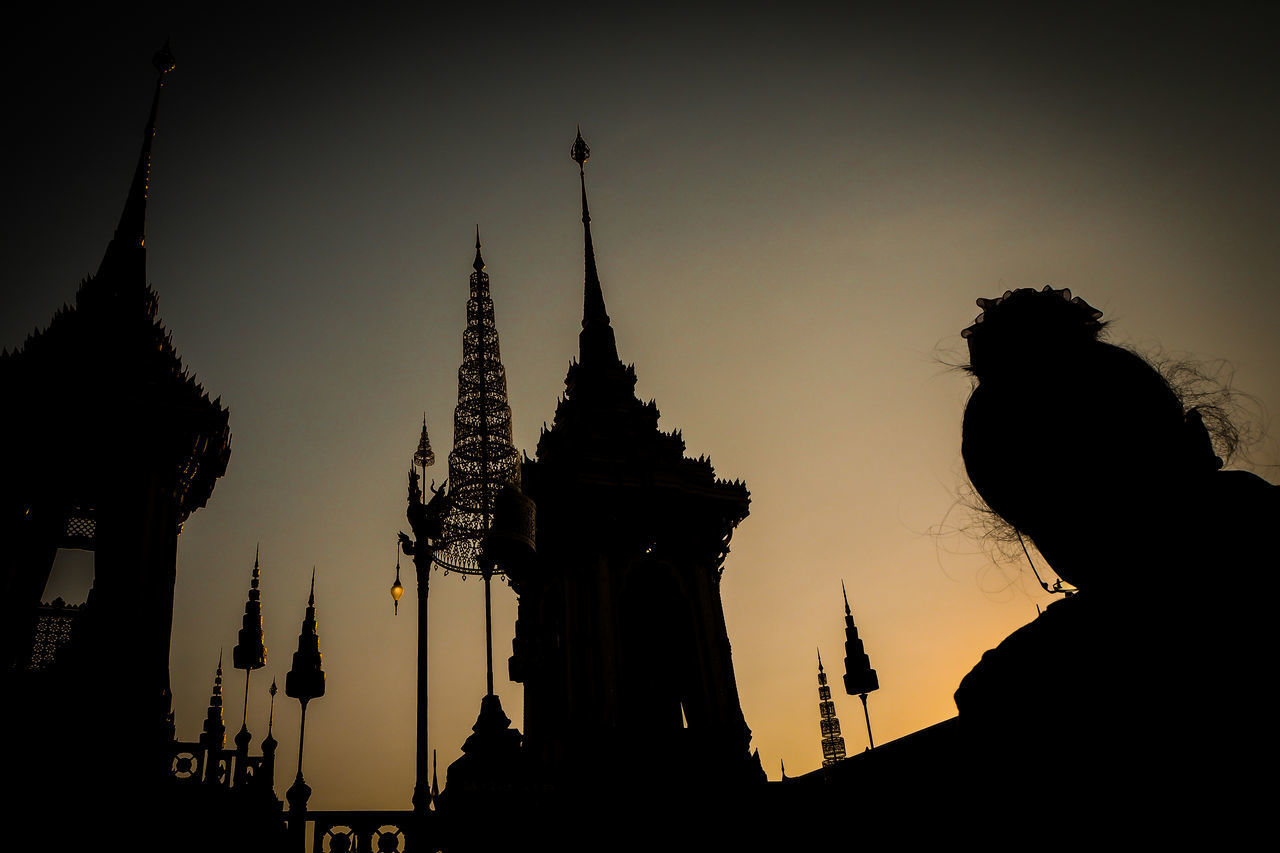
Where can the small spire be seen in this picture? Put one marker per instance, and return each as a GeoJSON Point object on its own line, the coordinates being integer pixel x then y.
{"type": "Point", "coordinates": [305, 679]}
{"type": "Point", "coordinates": [829, 724]}
{"type": "Point", "coordinates": [845, 593]}
{"type": "Point", "coordinates": [478, 263]}
{"type": "Point", "coordinates": [424, 456]}
{"type": "Point", "coordinates": [859, 677]}
{"type": "Point", "coordinates": [214, 735]}
{"type": "Point", "coordinates": [435, 787]}
{"type": "Point", "coordinates": [250, 651]}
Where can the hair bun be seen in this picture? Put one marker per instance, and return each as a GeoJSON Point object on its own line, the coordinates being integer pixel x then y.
{"type": "Point", "coordinates": [1026, 326]}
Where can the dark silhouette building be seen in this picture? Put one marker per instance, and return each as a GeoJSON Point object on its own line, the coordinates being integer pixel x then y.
{"type": "Point", "coordinates": [109, 445]}
{"type": "Point", "coordinates": [620, 639]}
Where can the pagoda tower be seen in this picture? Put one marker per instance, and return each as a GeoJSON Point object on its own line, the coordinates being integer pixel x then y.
{"type": "Point", "coordinates": [620, 640]}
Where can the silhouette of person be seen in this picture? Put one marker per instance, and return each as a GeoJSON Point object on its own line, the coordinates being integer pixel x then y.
{"type": "Point", "coordinates": [1139, 696]}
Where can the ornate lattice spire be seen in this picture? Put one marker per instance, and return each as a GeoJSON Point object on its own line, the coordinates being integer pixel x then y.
{"type": "Point", "coordinates": [483, 458]}
{"type": "Point", "coordinates": [214, 735]}
{"type": "Point", "coordinates": [832, 743]}
{"type": "Point", "coordinates": [596, 341]}
{"type": "Point", "coordinates": [126, 252]}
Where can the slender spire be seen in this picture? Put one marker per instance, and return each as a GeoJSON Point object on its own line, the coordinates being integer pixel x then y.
{"type": "Point", "coordinates": [478, 263]}
{"type": "Point", "coordinates": [435, 786]}
{"type": "Point", "coordinates": [596, 338]}
{"type": "Point", "coordinates": [128, 246]}
{"type": "Point", "coordinates": [271, 715]}
{"type": "Point", "coordinates": [832, 742]}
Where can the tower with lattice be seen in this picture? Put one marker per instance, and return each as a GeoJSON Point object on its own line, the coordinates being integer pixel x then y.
{"type": "Point", "coordinates": [832, 742]}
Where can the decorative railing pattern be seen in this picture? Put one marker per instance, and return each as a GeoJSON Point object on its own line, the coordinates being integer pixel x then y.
{"type": "Point", "coordinates": [365, 832]}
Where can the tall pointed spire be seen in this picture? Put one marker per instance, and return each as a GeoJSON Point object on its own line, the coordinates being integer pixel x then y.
{"type": "Point", "coordinates": [126, 254]}
{"type": "Point", "coordinates": [478, 263]}
{"type": "Point", "coordinates": [832, 743]}
{"type": "Point", "coordinates": [596, 340]}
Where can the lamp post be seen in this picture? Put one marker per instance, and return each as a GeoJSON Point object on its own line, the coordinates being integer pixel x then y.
{"type": "Point", "coordinates": [424, 519]}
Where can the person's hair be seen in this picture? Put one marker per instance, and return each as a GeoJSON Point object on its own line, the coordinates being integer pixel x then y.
{"type": "Point", "coordinates": [1059, 414]}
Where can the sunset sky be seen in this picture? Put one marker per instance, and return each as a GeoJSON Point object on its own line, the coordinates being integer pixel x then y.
{"type": "Point", "coordinates": [793, 209]}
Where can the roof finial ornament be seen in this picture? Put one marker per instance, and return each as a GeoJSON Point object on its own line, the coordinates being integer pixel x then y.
{"type": "Point", "coordinates": [478, 264]}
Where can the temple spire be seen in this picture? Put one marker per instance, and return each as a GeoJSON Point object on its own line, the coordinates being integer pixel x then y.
{"type": "Point", "coordinates": [127, 248]}
{"type": "Point", "coordinates": [214, 736]}
{"type": "Point", "coordinates": [859, 678]}
{"type": "Point", "coordinates": [832, 742]}
{"type": "Point", "coordinates": [478, 263]}
{"type": "Point", "coordinates": [596, 337]}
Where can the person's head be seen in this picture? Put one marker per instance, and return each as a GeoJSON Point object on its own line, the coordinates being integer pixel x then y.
{"type": "Point", "coordinates": [1079, 444]}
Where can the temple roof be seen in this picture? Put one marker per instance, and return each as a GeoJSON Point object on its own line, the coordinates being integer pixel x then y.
{"type": "Point", "coordinates": [105, 370]}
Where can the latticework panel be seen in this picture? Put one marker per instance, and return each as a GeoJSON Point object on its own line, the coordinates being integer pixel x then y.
{"type": "Point", "coordinates": [80, 529]}
{"type": "Point", "coordinates": [53, 631]}
{"type": "Point", "coordinates": [483, 458]}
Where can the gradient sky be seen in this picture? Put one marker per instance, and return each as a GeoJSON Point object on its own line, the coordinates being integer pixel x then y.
{"type": "Point", "coordinates": [793, 209]}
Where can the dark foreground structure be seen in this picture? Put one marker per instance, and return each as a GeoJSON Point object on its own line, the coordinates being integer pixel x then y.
{"type": "Point", "coordinates": [615, 542]}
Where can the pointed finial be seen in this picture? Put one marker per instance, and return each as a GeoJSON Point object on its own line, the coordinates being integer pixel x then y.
{"type": "Point", "coordinates": [424, 455]}
{"type": "Point", "coordinates": [580, 152]}
{"type": "Point", "coordinates": [596, 341]}
{"type": "Point", "coordinates": [218, 679]}
{"type": "Point", "coordinates": [478, 264]}
{"type": "Point", "coordinates": [819, 660]}
{"type": "Point", "coordinates": [271, 715]}
{"type": "Point", "coordinates": [783, 765]}
{"type": "Point", "coordinates": [845, 593]}
{"type": "Point", "coordinates": [311, 599]}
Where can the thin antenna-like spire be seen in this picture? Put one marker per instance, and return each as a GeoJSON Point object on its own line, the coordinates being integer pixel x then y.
{"type": "Point", "coordinates": [435, 787]}
{"type": "Point", "coordinates": [597, 335]}
{"type": "Point", "coordinates": [478, 263]}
